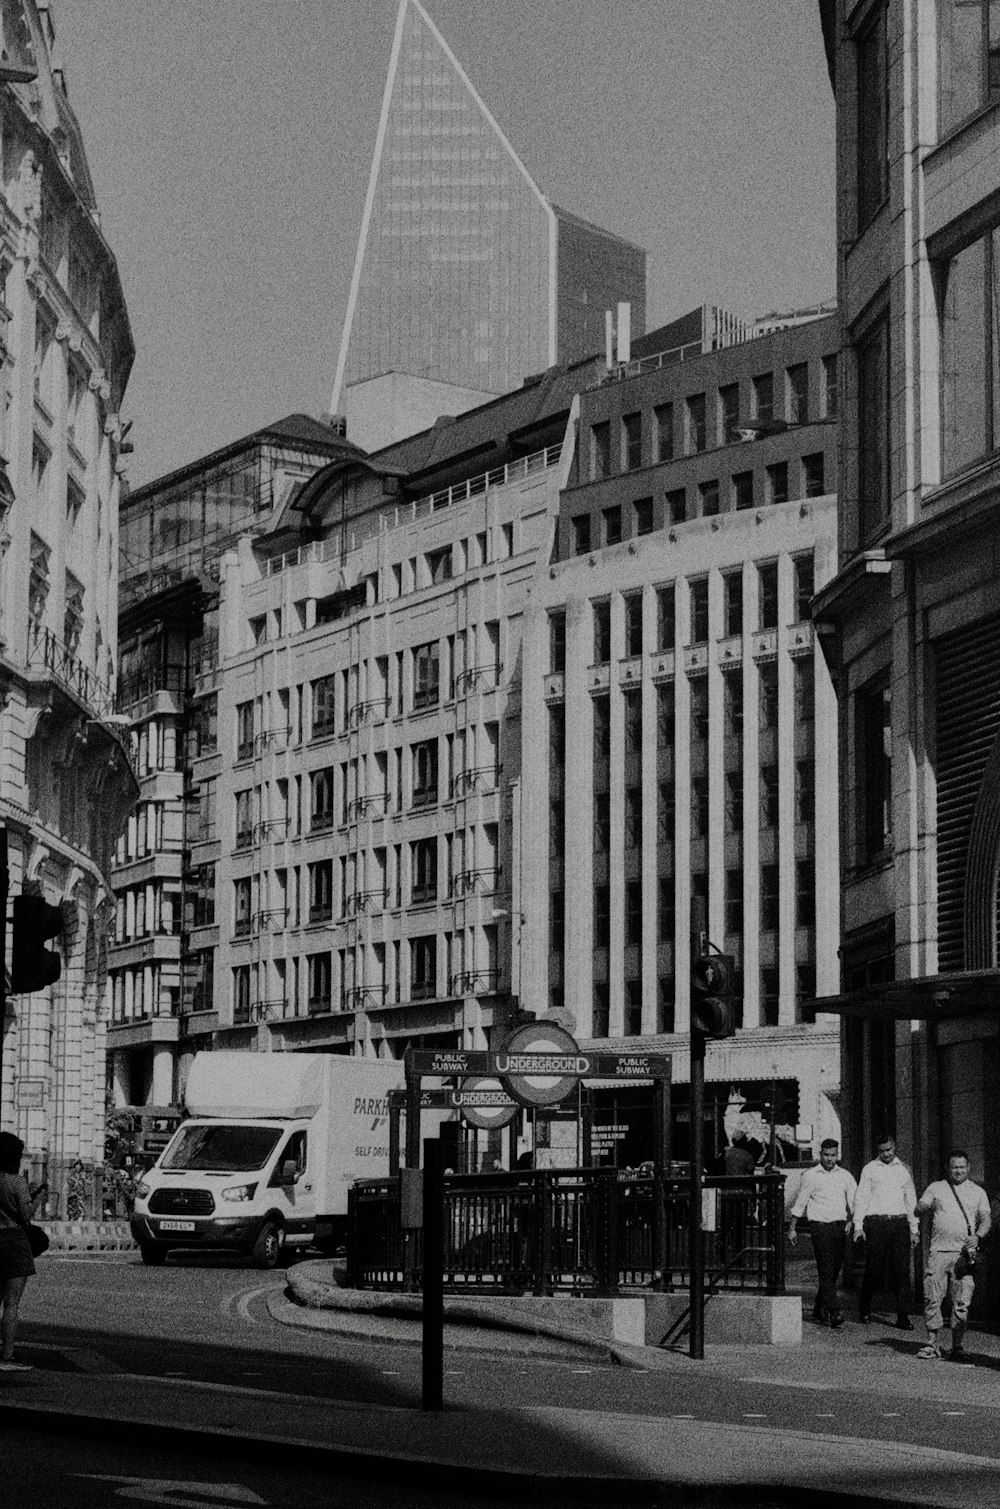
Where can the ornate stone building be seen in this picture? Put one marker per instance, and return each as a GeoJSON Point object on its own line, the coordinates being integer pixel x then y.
{"type": "Point", "coordinates": [66, 782]}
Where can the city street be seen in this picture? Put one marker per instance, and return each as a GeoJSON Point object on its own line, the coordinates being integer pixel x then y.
{"type": "Point", "coordinates": [105, 1314]}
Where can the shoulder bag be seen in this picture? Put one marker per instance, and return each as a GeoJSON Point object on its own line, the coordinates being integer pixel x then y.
{"type": "Point", "coordinates": [965, 1267]}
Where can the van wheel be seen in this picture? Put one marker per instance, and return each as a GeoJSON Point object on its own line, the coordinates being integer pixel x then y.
{"type": "Point", "coordinates": [153, 1254]}
{"type": "Point", "coordinates": [267, 1248]}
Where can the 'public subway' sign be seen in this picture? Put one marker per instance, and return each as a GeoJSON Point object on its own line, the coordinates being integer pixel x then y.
{"type": "Point", "coordinates": [540, 1064]}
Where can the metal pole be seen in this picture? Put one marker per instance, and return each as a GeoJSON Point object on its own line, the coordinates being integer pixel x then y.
{"type": "Point", "coordinates": [4, 883]}
{"type": "Point", "coordinates": [413, 1088]}
{"type": "Point", "coordinates": [696, 1240]}
{"type": "Point", "coordinates": [661, 1167]}
{"type": "Point", "coordinates": [432, 1339]}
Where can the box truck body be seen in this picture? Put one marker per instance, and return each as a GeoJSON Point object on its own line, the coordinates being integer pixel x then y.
{"type": "Point", "coordinates": [265, 1160]}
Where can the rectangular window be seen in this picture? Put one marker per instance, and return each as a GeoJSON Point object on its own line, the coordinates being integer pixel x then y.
{"type": "Point", "coordinates": [439, 566]}
{"type": "Point", "coordinates": [633, 624]}
{"type": "Point", "coordinates": [423, 968]}
{"type": "Point", "coordinates": [734, 802]}
{"type": "Point", "coordinates": [423, 870]}
{"type": "Point", "coordinates": [873, 735]}
{"type": "Point", "coordinates": [699, 710]}
{"type": "Point", "coordinates": [733, 902]}
{"type": "Point", "coordinates": [665, 618]}
{"type": "Point", "coordinates": [72, 613]}
{"type": "Point", "coordinates": [581, 533]}
{"type": "Point", "coordinates": [676, 506]}
{"type": "Point", "coordinates": [633, 914]}
{"type": "Point", "coordinates": [813, 476]}
{"type": "Point", "coordinates": [708, 493]}
{"type": "Point", "coordinates": [805, 791]}
{"type": "Point", "coordinates": [633, 817]}
{"type": "Point", "coordinates": [968, 59]}
{"type": "Point", "coordinates": [732, 585]}
{"type": "Point", "coordinates": [666, 812]}
{"type": "Point", "coordinates": [872, 118]}
{"type": "Point", "coordinates": [664, 718]}
{"type": "Point", "coordinates": [321, 891]}
{"type": "Point", "coordinates": [769, 796]}
{"type": "Point", "coordinates": [602, 823]}
{"type": "Point", "coordinates": [424, 766]}
{"type": "Point", "coordinates": [874, 433]}
{"type": "Point", "coordinates": [241, 993]}
{"type": "Point", "coordinates": [631, 442]}
{"type": "Point", "coordinates": [602, 916]}
{"type": "Point", "coordinates": [633, 1008]}
{"type": "Point", "coordinates": [805, 893]}
{"type": "Point", "coordinates": [804, 586]}
{"type": "Point", "coordinates": [600, 450]}
{"type": "Point", "coordinates": [664, 417]}
{"type": "Point", "coordinates": [769, 898]}
{"type": "Point", "coordinates": [777, 482]}
{"type": "Point", "coordinates": [831, 387]}
{"type": "Point", "coordinates": [320, 968]}
{"type": "Point", "coordinates": [769, 997]}
{"type": "Point", "coordinates": [642, 509]}
{"type": "Point", "coordinates": [321, 800]}
{"type": "Point", "coordinates": [632, 718]}
{"type": "Point", "coordinates": [612, 521]}
{"type": "Point", "coordinates": [602, 1012]}
{"type": "Point", "coordinates": [768, 684]}
{"type": "Point", "coordinates": [324, 706]}
{"type": "Point", "coordinates": [557, 643]}
{"type": "Point", "coordinates": [699, 806]}
{"type": "Point", "coordinates": [732, 705]}
{"type": "Point", "coordinates": [244, 730]}
{"type": "Point", "coordinates": [743, 491]}
{"type": "Point", "coordinates": [697, 437]}
{"type": "Point", "coordinates": [602, 633]}
{"type": "Point", "coordinates": [970, 354]}
{"type": "Point", "coordinates": [665, 909]}
{"type": "Point", "coordinates": [729, 413]}
{"type": "Point", "coordinates": [699, 611]}
{"type": "Point", "coordinates": [426, 675]}
{"type": "Point", "coordinates": [242, 906]}
{"type": "Point", "coordinates": [557, 922]}
{"type": "Point", "coordinates": [763, 398]}
{"type": "Point", "coordinates": [665, 1006]}
{"type": "Point", "coordinates": [767, 595]}
{"type": "Point", "coordinates": [798, 394]}
{"type": "Point", "coordinates": [244, 819]}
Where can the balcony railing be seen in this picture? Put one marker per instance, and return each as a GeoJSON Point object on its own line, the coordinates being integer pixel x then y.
{"type": "Point", "coordinates": [367, 901]}
{"type": "Point", "coordinates": [422, 990]}
{"type": "Point", "coordinates": [242, 927]}
{"type": "Point", "coordinates": [321, 822]}
{"type": "Point", "coordinates": [366, 997]}
{"type": "Point", "coordinates": [476, 778]}
{"type": "Point", "coordinates": [273, 736]}
{"type": "Point", "coordinates": [420, 895]}
{"type": "Point", "coordinates": [484, 881]}
{"type": "Point", "coordinates": [426, 696]}
{"type": "Point", "coordinates": [501, 476]}
{"type": "Point", "coordinates": [484, 678]}
{"type": "Point", "coordinates": [273, 831]}
{"type": "Point", "coordinates": [275, 917]}
{"type": "Point", "coordinates": [425, 796]}
{"type": "Point", "coordinates": [375, 803]}
{"type": "Point", "coordinates": [377, 708]}
{"type": "Point", "coordinates": [475, 982]}
{"type": "Point", "coordinates": [320, 1005]}
{"type": "Point", "coordinates": [46, 652]}
{"type": "Point", "coordinates": [258, 1011]}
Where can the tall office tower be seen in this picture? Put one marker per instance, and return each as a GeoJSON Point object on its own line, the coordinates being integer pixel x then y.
{"type": "Point", "coordinates": [467, 278]}
{"type": "Point", "coordinates": [65, 780]}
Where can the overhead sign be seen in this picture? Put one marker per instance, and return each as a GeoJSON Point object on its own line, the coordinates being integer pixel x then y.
{"type": "Point", "coordinates": [484, 1103]}
{"type": "Point", "coordinates": [571, 1063]}
{"type": "Point", "coordinates": [540, 1063]}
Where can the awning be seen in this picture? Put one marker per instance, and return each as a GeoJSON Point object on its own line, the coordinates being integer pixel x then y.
{"type": "Point", "coordinates": [975, 992]}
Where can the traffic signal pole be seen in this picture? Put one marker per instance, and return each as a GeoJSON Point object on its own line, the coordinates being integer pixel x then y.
{"type": "Point", "coordinates": [696, 1238]}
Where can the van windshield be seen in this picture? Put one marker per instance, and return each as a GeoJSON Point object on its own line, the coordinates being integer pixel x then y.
{"type": "Point", "coordinates": [222, 1149]}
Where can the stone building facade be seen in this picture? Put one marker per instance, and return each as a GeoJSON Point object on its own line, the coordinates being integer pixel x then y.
{"type": "Point", "coordinates": [66, 780]}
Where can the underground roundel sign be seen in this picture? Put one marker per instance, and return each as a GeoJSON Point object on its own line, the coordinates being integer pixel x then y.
{"type": "Point", "coordinates": [484, 1102]}
{"type": "Point", "coordinates": [540, 1064]}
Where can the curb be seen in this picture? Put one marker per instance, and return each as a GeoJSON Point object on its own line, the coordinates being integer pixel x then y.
{"type": "Point", "coordinates": [503, 1483]}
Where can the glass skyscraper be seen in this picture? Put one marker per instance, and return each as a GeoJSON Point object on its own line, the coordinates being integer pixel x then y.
{"type": "Point", "coordinates": [465, 273]}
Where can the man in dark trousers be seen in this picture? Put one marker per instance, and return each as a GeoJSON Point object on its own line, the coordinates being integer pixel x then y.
{"type": "Point", "coordinates": [826, 1199]}
{"type": "Point", "coordinates": [885, 1214]}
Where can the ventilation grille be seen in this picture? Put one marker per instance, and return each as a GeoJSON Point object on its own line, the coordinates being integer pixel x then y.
{"type": "Point", "coordinates": [967, 722]}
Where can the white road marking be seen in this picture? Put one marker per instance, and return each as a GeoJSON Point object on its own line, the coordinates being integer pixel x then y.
{"type": "Point", "coordinates": [892, 1414]}
{"type": "Point", "coordinates": [821, 1416]}
{"type": "Point", "coordinates": [390, 1373]}
{"type": "Point", "coordinates": [954, 1411]}
{"type": "Point", "coordinates": [754, 1417]}
{"type": "Point", "coordinates": [245, 1298]}
{"type": "Point", "coordinates": [681, 1417]}
{"type": "Point", "coordinates": [581, 1370]}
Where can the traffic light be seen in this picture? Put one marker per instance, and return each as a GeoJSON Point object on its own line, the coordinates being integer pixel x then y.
{"type": "Point", "coordinates": [712, 978]}
{"type": "Point", "coordinates": [32, 965]}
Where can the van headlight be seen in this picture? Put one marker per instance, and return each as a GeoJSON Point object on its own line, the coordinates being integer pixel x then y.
{"type": "Point", "coordinates": [143, 1190]}
{"type": "Point", "coordinates": [239, 1192]}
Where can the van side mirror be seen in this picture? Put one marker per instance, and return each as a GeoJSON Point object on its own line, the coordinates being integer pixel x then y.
{"type": "Point", "coordinates": [289, 1171]}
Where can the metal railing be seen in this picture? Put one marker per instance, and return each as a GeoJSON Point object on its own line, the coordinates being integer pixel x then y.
{"type": "Point", "coordinates": [376, 708]}
{"type": "Point", "coordinates": [468, 680]}
{"type": "Point", "coordinates": [367, 901]}
{"type": "Point", "coordinates": [470, 881]}
{"type": "Point", "coordinates": [258, 1011]}
{"type": "Point", "coordinates": [366, 997]}
{"type": "Point", "coordinates": [374, 801]}
{"type": "Point", "coordinates": [475, 982]}
{"type": "Point", "coordinates": [476, 778]}
{"type": "Point", "coordinates": [573, 1230]}
{"type": "Point", "coordinates": [47, 652]}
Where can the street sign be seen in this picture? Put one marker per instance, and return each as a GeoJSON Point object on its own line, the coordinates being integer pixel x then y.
{"type": "Point", "coordinates": [540, 1063]}
{"type": "Point", "coordinates": [484, 1103]}
{"type": "Point", "coordinates": [575, 1064]}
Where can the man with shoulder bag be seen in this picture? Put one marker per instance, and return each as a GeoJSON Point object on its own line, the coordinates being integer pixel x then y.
{"type": "Point", "coordinates": [961, 1218]}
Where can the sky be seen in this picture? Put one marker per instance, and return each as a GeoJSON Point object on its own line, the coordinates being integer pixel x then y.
{"type": "Point", "coordinates": [230, 143]}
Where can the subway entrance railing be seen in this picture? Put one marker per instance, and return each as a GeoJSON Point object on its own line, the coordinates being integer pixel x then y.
{"type": "Point", "coordinates": [578, 1231]}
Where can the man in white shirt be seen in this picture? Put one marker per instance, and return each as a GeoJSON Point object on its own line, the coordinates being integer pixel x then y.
{"type": "Point", "coordinates": [826, 1198]}
{"type": "Point", "coordinates": [961, 1218]}
{"type": "Point", "coordinates": [885, 1215]}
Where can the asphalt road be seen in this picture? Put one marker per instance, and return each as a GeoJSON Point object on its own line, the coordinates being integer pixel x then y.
{"type": "Point", "coordinates": [211, 1323]}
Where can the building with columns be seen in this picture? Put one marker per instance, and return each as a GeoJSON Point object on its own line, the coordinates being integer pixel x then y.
{"type": "Point", "coordinates": [679, 721]}
{"type": "Point", "coordinates": [66, 780]}
{"type": "Point", "coordinates": [911, 620]}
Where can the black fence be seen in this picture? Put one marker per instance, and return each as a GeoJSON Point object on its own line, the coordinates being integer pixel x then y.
{"type": "Point", "coordinates": [577, 1230]}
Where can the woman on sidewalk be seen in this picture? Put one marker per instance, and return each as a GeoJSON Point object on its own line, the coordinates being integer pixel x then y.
{"type": "Point", "coordinates": [16, 1263]}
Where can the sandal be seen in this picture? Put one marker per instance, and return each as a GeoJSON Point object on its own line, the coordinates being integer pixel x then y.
{"type": "Point", "coordinates": [930, 1353]}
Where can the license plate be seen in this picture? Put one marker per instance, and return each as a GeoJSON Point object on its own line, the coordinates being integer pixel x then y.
{"type": "Point", "coordinates": [177, 1226]}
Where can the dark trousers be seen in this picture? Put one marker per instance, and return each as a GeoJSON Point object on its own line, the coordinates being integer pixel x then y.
{"type": "Point", "coordinates": [888, 1263]}
{"type": "Point", "coordinates": [829, 1243]}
